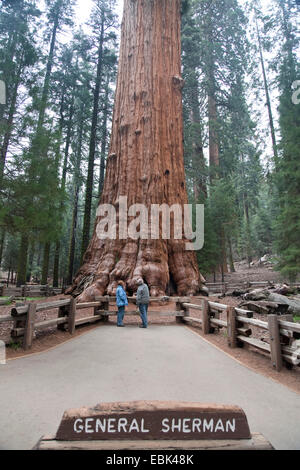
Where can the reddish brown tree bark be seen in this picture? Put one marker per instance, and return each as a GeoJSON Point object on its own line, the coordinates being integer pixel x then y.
{"type": "Point", "coordinates": [145, 161]}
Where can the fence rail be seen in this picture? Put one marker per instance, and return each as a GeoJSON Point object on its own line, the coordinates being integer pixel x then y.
{"type": "Point", "coordinates": [283, 333]}
{"type": "Point", "coordinates": [223, 287]}
{"type": "Point", "coordinates": [29, 291]}
{"type": "Point", "coordinates": [282, 342]}
{"type": "Point", "coordinates": [25, 321]}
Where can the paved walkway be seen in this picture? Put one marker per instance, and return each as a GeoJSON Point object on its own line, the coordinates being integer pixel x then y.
{"type": "Point", "coordinates": [120, 364]}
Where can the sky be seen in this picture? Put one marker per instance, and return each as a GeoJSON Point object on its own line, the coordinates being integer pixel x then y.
{"type": "Point", "coordinates": [83, 9]}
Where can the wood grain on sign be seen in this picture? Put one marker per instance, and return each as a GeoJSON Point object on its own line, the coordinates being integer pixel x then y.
{"type": "Point", "coordinates": [154, 420]}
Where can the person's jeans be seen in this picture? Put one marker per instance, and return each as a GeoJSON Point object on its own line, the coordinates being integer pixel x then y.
{"type": "Point", "coordinates": [120, 316]}
{"type": "Point", "coordinates": [143, 313]}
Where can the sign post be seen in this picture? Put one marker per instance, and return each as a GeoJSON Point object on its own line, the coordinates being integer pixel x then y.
{"type": "Point", "coordinates": [154, 425]}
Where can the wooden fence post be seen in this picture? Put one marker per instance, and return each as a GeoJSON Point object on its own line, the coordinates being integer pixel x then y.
{"type": "Point", "coordinates": [96, 309]}
{"type": "Point", "coordinates": [276, 356]}
{"type": "Point", "coordinates": [205, 317]}
{"type": "Point", "coordinates": [29, 326]}
{"type": "Point", "coordinates": [178, 308]}
{"type": "Point", "coordinates": [70, 312]}
{"type": "Point", "coordinates": [105, 307]}
{"type": "Point", "coordinates": [24, 291]}
{"type": "Point", "coordinates": [71, 316]}
{"type": "Point", "coordinates": [224, 288]}
{"type": "Point", "coordinates": [19, 321]}
{"type": "Point", "coordinates": [63, 312]}
{"type": "Point", "coordinates": [231, 327]}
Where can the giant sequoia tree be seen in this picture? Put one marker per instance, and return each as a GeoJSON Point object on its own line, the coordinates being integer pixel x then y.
{"type": "Point", "coordinates": [145, 160]}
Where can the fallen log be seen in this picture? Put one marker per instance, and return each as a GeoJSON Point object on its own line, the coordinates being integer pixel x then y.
{"type": "Point", "coordinates": [237, 292]}
{"type": "Point", "coordinates": [284, 289]}
{"type": "Point", "coordinates": [293, 304]}
{"type": "Point", "coordinates": [257, 294]}
{"type": "Point", "coordinates": [265, 307]}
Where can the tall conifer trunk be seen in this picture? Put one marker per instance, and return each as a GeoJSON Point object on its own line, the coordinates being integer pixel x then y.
{"type": "Point", "coordinates": [268, 100]}
{"type": "Point", "coordinates": [92, 148]}
{"type": "Point", "coordinates": [2, 241]}
{"type": "Point", "coordinates": [9, 124]}
{"type": "Point", "coordinates": [22, 261]}
{"type": "Point", "coordinates": [35, 144]}
{"type": "Point", "coordinates": [214, 162]}
{"type": "Point", "coordinates": [77, 185]}
{"type": "Point", "coordinates": [45, 268]}
{"type": "Point", "coordinates": [145, 160]}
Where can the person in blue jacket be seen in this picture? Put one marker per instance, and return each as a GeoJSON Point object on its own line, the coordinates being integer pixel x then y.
{"type": "Point", "coordinates": [121, 300]}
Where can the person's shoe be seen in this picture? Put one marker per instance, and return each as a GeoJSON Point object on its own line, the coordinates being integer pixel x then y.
{"type": "Point", "coordinates": [142, 326]}
{"type": "Point", "coordinates": [120, 325]}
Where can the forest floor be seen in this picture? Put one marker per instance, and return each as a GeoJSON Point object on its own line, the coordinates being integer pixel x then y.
{"type": "Point", "coordinates": [257, 273]}
{"type": "Point", "coordinates": [256, 360]}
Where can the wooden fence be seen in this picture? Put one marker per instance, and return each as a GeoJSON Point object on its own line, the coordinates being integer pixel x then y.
{"type": "Point", "coordinates": [46, 290]}
{"type": "Point", "coordinates": [223, 287]}
{"type": "Point", "coordinates": [282, 331]}
{"type": "Point", "coordinates": [29, 291]}
{"type": "Point", "coordinates": [25, 321]}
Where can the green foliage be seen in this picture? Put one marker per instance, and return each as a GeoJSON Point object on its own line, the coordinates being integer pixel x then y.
{"type": "Point", "coordinates": [262, 223]}
{"type": "Point", "coordinates": [15, 345]}
{"type": "Point", "coordinates": [220, 211]}
{"type": "Point", "coordinates": [185, 4]}
{"type": "Point", "coordinates": [46, 126]}
{"type": "Point", "coordinates": [215, 62]}
{"type": "Point", "coordinates": [8, 302]}
{"type": "Point", "coordinates": [287, 178]}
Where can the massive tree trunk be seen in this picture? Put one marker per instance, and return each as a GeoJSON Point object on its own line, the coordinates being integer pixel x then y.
{"type": "Point", "coordinates": [145, 160]}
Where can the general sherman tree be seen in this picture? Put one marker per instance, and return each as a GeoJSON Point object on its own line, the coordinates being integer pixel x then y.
{"type": "Point", "coordinates": [145, 161]}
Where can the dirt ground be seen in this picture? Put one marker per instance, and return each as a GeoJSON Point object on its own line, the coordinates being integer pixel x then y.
{"type": "Point", "coordinates": [247, 355]}
{"type": "Point", "coordinates": [256, 360]}
{"type": "Point", "coordinates": [257, 273]}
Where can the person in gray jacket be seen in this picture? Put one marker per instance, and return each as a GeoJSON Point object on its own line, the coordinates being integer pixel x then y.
{"type": "Point", "coordinates": [142, 301]}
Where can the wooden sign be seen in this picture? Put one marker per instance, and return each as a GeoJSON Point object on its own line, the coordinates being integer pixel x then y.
{"type": "Point", "coordinates": [155, 420]}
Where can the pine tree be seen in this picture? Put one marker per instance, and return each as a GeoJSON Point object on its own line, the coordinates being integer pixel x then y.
{"type": "Point", "coordinates": [18, 52]}
{"type": "Point", "coordinates": [288, 179]}
{"type": "Point", "coordinates": [193, 108]}
{"type": "Point", "coordinates": [103, 22]}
